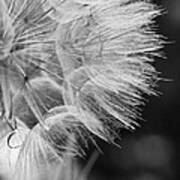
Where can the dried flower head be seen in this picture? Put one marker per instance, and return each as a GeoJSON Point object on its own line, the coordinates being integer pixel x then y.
{"type": "Point", "coordinates": [71, 69]}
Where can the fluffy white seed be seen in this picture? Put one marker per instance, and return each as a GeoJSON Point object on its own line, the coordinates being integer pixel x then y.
{"type": "Point", "coordinates": [71, 69]}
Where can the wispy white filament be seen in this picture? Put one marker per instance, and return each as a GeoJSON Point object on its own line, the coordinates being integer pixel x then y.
{"type": "Point", "coordinates": [69, 70]}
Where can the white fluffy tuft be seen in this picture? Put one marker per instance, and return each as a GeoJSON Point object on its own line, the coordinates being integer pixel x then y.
{"type": "Point", "coordinates": [71, 69]}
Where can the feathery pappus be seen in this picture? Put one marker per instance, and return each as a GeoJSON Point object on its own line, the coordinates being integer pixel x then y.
{"type": "Point", "coordinates": [71, 70]}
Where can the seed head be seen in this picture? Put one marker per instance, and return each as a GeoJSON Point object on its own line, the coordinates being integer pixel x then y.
{"type": "Point", "coordinates": [69, 70]}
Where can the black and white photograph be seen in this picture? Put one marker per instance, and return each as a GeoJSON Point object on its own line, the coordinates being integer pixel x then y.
{"type": "Point", "coordinates": [89, 89]}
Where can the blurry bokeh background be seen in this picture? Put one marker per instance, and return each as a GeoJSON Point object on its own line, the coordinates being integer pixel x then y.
{"type": "Point", "coordinates": [152, 152]}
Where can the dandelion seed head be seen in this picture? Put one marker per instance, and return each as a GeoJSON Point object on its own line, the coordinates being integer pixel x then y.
{"type": "Point", "coordinates": [71, 70]}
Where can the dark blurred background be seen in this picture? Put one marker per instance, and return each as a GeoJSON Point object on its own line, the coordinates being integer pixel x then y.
{"type": "Point", "coordinates": [152, 151]}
